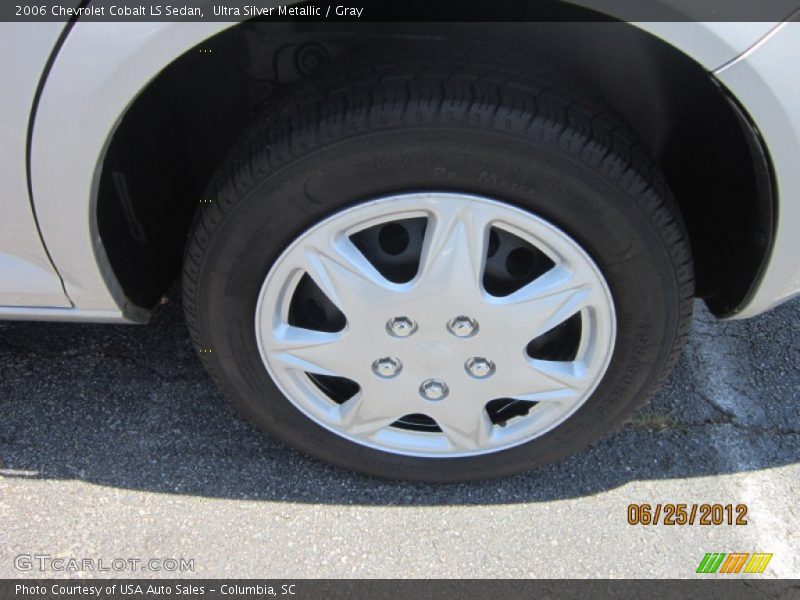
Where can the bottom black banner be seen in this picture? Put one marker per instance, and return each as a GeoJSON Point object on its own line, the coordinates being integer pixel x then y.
{"type": "Point", "coordinates": [376, 589]}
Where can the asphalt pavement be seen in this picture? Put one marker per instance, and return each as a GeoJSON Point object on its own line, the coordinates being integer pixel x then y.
{"type": "Point", "coordinates": [114, 444]}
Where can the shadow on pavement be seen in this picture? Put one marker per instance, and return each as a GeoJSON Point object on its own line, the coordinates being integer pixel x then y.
{"type": "Point", "coordinates": [131, 407]}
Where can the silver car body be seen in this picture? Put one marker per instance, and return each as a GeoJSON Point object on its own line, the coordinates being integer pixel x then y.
{"type": "Point", "coordinates": [52, 263]}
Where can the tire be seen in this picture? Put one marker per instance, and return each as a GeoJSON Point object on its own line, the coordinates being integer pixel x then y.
{"type": "Point", "coordinates": [452, 121]}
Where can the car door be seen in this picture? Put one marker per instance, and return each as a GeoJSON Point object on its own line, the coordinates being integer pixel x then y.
{"type": "Point", "coordinates": [27, 276]}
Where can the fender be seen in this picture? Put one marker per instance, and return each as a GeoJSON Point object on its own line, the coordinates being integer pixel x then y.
{"type": "Point", "coordinates": [764, 82]}
{"type": "Point", "coordinates": [101, 69]}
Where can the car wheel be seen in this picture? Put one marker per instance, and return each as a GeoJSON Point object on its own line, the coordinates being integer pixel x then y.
{"type": "Point", "coordinates": [437, 265]}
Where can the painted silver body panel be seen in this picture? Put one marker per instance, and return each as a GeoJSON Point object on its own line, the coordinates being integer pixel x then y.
{"type": "Point", "coordinates": [102, 67]}
{"type": "Point", "coordinates": [710, 44]}
{"type": "Point", "coordinates": [26, 276]}
{"type": "Point", "coordinates": [23, 313]}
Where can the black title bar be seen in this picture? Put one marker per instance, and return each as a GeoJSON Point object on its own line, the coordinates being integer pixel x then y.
{"type": "Point", "coordinates": [398, 10]}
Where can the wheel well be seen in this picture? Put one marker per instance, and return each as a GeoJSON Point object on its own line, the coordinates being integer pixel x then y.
{"type": "Point", "coordinates": [174, 135]}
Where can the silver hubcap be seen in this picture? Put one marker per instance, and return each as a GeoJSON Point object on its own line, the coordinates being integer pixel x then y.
{"type": "Point", "coordinates": [436, 324]}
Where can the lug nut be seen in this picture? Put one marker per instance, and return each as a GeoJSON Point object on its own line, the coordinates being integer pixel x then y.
{"type": "Point", "coordinates": [387, 367]}
{"type": "Point", "coordinates": [433, 389]}
{"type": "Point", "coordinates": [463, 327]}
{"type": "Point", "coordinates": [401, 327]}
{"type": "Point", "coordinates": [479, 367]}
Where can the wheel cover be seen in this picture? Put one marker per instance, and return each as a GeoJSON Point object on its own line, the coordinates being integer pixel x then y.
{"type": "Point", "coordinates": [443, 361]}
